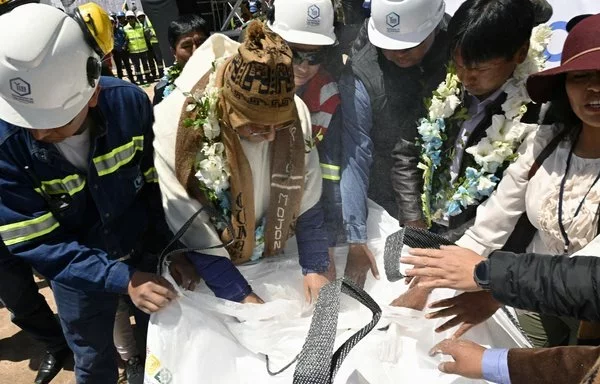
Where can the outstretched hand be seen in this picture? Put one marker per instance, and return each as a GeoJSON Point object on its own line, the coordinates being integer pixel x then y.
{"type": "Point", "coordinates": [468, 309]}
{"type": "Point", "coordinates": [360, 260]}
{"type": "Point", "coordinates": [467, 356]}
{"type": "Point", "coordinates": [447, 267]}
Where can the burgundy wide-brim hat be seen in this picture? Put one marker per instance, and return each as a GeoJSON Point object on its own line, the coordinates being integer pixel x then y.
{"type": "Point", "coordinates": [581, 52]}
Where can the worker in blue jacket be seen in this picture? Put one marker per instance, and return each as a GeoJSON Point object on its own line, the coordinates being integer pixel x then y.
{"type": "Point", "coordinates": [79, 199]}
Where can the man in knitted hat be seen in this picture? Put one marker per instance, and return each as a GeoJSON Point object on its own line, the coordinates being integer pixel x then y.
{"type": "Point", "coordinates": [231, 139]}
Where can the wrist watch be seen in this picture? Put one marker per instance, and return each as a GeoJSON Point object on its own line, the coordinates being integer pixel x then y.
{"type": "Point", "coordinates": [481, 274]}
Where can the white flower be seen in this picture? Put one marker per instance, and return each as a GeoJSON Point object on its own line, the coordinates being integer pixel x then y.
{"type": "Point", "coordinates": [216, 149]}
{"type": "Point", "coordinates": [448, 87]}
{"type": "Point", "coordinates": [540, 36]}
{"type": "Point", "coordinates": [428, 131]}
{"type": "Point", "coordinates": [496, 131]}
{"type": "Point", "coordinates": [450, 106]}
{"type": "Point", "coordinates": [485, 183]}
{"type": "Point", "coordinates": [213, 172]}
{"type": "Point", "coordinates": [436, 110]}
{"type": "Point", "coordinates": [487, 156]}
{"type": "Point", "coordinates": [516, 131]}
{"type": "Point", "coordinates": [516, 98]}
{"type": "Point", "coordinates": [212, 130]}
{"type": "Point", "coordinates": [443, 108]}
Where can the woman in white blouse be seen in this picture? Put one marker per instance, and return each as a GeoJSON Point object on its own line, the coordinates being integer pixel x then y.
{"type": "Point", "coordinates": [562, 198]}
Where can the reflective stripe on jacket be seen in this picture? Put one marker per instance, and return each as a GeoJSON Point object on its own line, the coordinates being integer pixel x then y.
{"type": "Point", "coordinates": [72, 226]}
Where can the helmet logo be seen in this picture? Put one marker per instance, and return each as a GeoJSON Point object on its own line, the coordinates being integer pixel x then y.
{"type": "Point", "coordinates": [314, 15]}
{"type": "Point", "coordinates": [392, 20]}
{"type": "Point", "coordinates": [20, 89]}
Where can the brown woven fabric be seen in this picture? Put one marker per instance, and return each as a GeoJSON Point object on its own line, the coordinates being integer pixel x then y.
{"type": "Point", "coordinates": [287, 177]}
{"type": "Point", "coordinates": [560, 365]}
{"type": "Point", "coordinates": [287, 187]}
{"type": "Point", "coordinates": [186, 147]}
{"type": "Point", "coordinates": [259, 83]}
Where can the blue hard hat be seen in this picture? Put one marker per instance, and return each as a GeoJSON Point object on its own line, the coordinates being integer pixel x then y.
{"type": "Point", "coordinates": [121, 14]}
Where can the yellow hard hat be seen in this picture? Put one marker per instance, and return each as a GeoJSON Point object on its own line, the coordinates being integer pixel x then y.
{"type": "Point", "coordinates": [96, 26]}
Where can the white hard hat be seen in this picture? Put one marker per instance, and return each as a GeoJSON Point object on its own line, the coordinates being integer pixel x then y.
{"type": "Point", "coordinates": [304, 21]}
{"type": "Point", "coordinates": [44, 74]}
{"type": "Point", "coordinates": [403, 24]}
{"type": "Point", "coordinates": [140, 13]}
{"type": "Point", "coordinates": [129, 14]}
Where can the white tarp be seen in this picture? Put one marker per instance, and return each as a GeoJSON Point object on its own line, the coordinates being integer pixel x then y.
{"type": "Point", "coordinates": [202, 339]}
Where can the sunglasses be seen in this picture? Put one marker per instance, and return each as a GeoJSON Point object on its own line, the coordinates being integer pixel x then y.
{"type": "Point", "coordinates": [313, 57]}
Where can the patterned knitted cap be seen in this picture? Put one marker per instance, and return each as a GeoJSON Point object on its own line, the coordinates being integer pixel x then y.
{"type": "Point", "coordinates": [259, 80]}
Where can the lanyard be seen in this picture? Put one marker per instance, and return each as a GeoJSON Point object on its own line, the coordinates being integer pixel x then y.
{"type": "Point", "coordinates": [561, 226]}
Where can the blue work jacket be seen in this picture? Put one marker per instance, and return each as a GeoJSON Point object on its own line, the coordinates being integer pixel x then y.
{"type": "Point", "coordinates": [71, 226]}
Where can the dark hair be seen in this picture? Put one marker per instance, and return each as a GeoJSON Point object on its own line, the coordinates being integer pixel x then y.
{"type": "Point", "coordinates": [483, 30]}
{"type": "Point", "coordinates": [185, 24]}
{"type": "Point", "coordinates": [561, 112]}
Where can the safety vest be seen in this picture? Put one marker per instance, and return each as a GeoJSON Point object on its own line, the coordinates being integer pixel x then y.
{"type": "Point", "coordinates": [135, 38]}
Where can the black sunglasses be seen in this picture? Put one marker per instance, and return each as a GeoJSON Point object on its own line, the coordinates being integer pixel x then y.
{"type": "Point", "coordinates": [313, 57]}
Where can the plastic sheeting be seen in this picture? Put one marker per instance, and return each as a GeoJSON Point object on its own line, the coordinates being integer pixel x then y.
{"type": "Point", "coordinates": [202, 339]}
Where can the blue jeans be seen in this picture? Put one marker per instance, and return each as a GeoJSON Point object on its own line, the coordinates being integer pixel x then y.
{"type": "Point", "coordinates": [87, 320]}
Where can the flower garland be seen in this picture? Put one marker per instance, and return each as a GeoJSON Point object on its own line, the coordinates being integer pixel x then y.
{"type": "Point", "coordinates": [211, 165]}
{"type": "Point", "coordinates": [441, 198]}
{"type": "Point", "coordinates": [171, 74]}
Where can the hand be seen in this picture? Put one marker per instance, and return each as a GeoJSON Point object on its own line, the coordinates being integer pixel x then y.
{"type": "Point", "coordinates": [360, 260]}
{"type": "Point", "coordinates": [449, 267]}
{"type": "Point", "coordinates": [183, 272]}
{"type": "Point", "coordinates": [467, 356]}
{"type": "Point", "coordinates": [150, 292]}
{"type": "Point", "coordinates": [414, 298]}
{"type": "Point", "coordinates": [252, 298]}
{"type": "Point", "coordinates": [469, 308]}
{"type": "Point", "coordinates": [313, 282]}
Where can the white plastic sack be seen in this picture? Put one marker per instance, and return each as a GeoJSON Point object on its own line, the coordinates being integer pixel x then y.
{"type": "Point", "coordinates": [202, 339]}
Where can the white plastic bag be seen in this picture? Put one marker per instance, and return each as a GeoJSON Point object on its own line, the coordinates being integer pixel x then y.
{"type": "Point", "coordinates": [202, 339]}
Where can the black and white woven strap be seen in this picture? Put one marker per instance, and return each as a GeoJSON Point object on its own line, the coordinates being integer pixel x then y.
{"type": "Point", "coordinates": [317, 363]}
{"type": "Point", "coordinates": [412, 237]}
{"type": "Point", "coordinates": [166, 254]}
{"type": "Point", "coordinates": [391, 255]}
